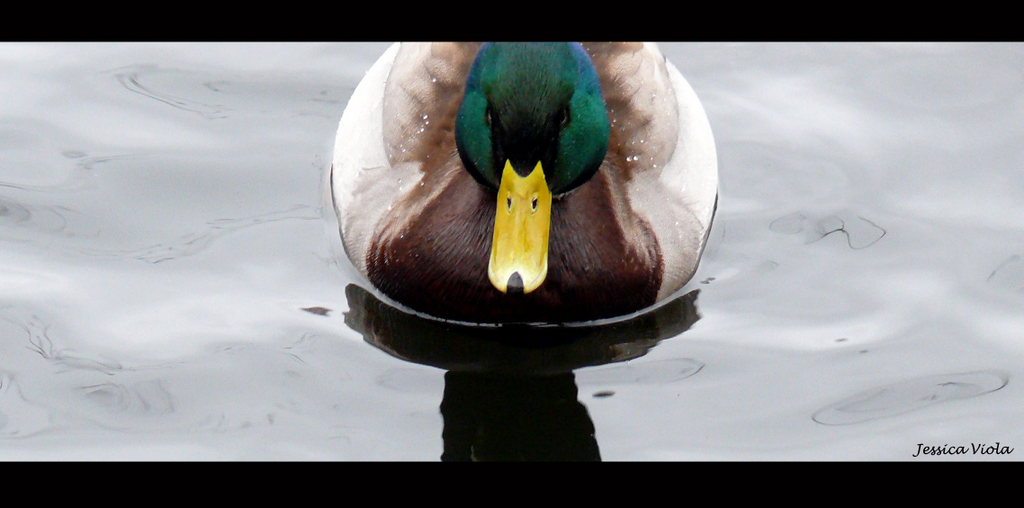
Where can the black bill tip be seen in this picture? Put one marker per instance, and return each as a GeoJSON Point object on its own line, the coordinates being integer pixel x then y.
{"type": "Point", "coordinates": [515, 284]}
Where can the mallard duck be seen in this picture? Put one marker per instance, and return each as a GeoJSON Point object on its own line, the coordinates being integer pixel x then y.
{"type": "Point", "coordinates": [524, 182]}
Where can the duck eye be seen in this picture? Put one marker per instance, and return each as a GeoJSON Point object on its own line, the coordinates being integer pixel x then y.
{"type": "Point", "coordinates": [489, 116]}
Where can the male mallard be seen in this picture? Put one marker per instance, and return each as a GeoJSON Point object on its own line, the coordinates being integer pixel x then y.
{"type": "Point", "coordinates": [524, 182]}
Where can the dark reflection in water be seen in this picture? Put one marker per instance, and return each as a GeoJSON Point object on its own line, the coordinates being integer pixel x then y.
{"type": "Point", "coordinates": [509, 417]}
{"type": "Point", "coordinates": [510, 392]}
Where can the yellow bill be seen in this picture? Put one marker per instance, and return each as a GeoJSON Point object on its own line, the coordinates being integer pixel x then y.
{"type": "Point", "coordinates": [519, 252]}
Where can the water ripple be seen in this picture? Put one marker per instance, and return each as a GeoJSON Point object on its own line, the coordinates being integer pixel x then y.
{"type": "Point", "coordinates": [647, 373]}
{"type": "Point", "coordinates": [57, 220]}
{"type": "Point", "coordinates": [911, 395]}
{"type": "Point", "coordinates": [40, 342]}
{"type": "Point", "coordinates": [18, 417]}
{"type": "Point", "coordinates": [860, 232]}
{"type": "Point", "coordinates": [77, 180]}
{"type": "Point", "coordinates": [1009, 275]}
{"type": "Point", "coordinates": [130, 79]}
{"type": "Point", "coordinates": [194, 243]}
{"type": "Point", "coordinates": [140, 398]}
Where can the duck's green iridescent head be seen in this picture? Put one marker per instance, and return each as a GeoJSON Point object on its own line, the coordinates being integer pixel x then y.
{"type": "Point", "coordinates": [532, 125]}
{"type": "Point", "coordinates": [533, 102]}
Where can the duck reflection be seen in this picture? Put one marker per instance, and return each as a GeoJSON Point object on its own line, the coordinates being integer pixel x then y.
{"type": "Point", "coordinates": [510, 392]}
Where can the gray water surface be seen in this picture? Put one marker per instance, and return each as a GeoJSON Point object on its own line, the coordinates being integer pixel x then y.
{"type": "Point", "coordinates": [172, 287]}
